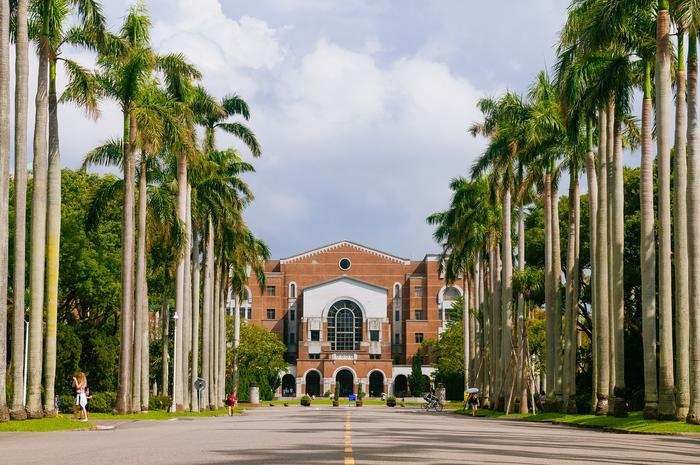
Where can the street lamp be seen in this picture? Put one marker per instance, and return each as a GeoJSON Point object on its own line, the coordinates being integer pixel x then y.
{"type": "Point", "coordinates": [173, 406]}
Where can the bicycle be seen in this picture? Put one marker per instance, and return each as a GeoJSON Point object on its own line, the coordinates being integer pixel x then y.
{"type": "Point", "coordinates": [432, 403]}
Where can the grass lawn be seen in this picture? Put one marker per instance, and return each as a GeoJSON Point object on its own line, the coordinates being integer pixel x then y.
{"type": "Point", "coordinates": [59, 423]}
{"type": "Point", "coordinates": [634, 422]}
{"type": "Point", "coordinates": [161, 415]}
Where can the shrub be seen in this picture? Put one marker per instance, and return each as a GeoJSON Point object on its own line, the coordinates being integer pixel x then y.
{"type": "Point", "coordinates": [335, 402]}
{"type": "Point", "coordinates": [65, 404]}
{"type": "Point", "coordinates": [159, 403]}
{"type": "Point", "coordinates": [102, 402]}
{"type": "Point", "coordinates": [306, 401]}
{"type": "Point", "coordinates": [328, 393]}
{"type": "Point", "coordinates": [391, 401]}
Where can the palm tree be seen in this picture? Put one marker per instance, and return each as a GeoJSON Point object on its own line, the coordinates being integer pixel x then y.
{"type": "Point", "coordinates": [664, 98]}
{"type": "Point", "coordinates": [123, 73]}
{"type": "Point", "coordinates": [82, 86]}
{"type": "Point", "coordinates": [4, 178]}
{"type": "Point", "coordinates": [21, 105]}
{"type": "Point", "coordinates": [38, 227]}
{"type": "Point", "coordinates": [689, 11]}
{"type": "Point", "coordinates": [680, 234]}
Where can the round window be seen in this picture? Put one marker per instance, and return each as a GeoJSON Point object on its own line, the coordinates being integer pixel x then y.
{"type": "Point", "coordinates": [345, 264]}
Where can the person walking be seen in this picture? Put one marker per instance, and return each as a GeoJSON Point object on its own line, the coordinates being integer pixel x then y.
{"type": "Point", "coordinates": [80, 384]}
{"type": "Point", "coordinates": [231, 402]}
{"type": "Point", "coordinates": [473, 402]}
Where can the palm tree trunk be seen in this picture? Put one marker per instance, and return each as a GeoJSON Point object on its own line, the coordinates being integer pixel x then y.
{"type": "Point", "coordinates": [236, 342]}
{"type": "Point", "coordinates": [222, 332]}
{"type": "Point", "coordinates": [680, 241]}
{"type": "Point", "coordinates": [4, 193]}
{"type": "Point", "coordinates": [495, 325]}
{"type": "Point", "coordinates": [21, 107]}
{"type": "Point", "coordinates": [550, 358]}
{"type": "Point", "coordinates": [602, 320]}
{"type": "Point", "coordinates": [207, 319]}
{"type": "Point", "coordinates": [569, 311]}
{"type": "Point", "coordinates": [647, 249]}
{"type": "Point", "coordinates": [38, 231]}
{"type": "Point", "coordinates": [53, 239]}
{"type": "Point", "coordinates": [187, 323]}
{"type": "Point", "coordinates": [466, 318]}
{"type": "Point", "coordinates": [165, 316]}
{"type": "Point", "coordinates": [140, 282]}
{"type": "Point", "coordinates": [506, 294]}
{"type": "Point", "coordinates": [610, 158]}
{"type": "Point", "coordinates": [593, 236]}
{"type": "Point", "coordinates": [618, 278]}
{"type": "Point", "coordinates": [145, 350]}
{"type": "Point", "coordinates": [694, 229]}
{"type": "Point", "coordinates": [664, 97]}
{"type": "Point", "coordinates": [127, 315]}
{"type": "Point", "coordinates": [573, 326]}
{"type": "Point", "coordinates": [195, 318]}
{"type": "Point", "coordinates": [473, 305]}
{"type": "Point", "coordinates": [180, 305]}
{"type": "Point", "coordinates": [556, 294]}
{"type": "Point", "coordinates": [488, 352]}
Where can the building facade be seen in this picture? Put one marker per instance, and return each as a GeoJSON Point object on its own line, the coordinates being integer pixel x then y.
{"type": "Point", "coordinates": [350, 316]}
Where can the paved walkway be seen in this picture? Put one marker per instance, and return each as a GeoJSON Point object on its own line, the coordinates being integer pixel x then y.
{"type": "Point", "coordinates": [344, 435]}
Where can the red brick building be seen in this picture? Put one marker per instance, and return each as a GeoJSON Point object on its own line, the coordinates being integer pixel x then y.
{"type": "Point", "coordinates": [352, 315]}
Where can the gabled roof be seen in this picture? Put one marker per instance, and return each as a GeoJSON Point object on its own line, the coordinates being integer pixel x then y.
{"type": "Point", "coordinates": [335, 245]}
{"type": "Point", "coordinates": [344, 278]}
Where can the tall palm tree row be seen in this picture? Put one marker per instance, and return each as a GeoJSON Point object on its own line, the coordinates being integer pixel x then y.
{"type": "Point", "coordinates": [161, 107]}
{"type": "Point", "coordinates": [607, 49]}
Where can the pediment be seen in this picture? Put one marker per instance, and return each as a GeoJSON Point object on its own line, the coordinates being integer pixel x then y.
{"type": "Point", "coordinates": [319, 297]}
{"type": "Point", "coordinates": [348, 245]}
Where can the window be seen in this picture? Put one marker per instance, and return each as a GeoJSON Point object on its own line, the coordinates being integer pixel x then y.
{"type": "Point", "coordinates": [345, 325]}
{"type": "Point", "coordinates": [242, 311]}
{"type": "Point", "coordinates": [451, 294]}
{"type": "Point", "coordinates": [419, 291]}
{"type": "Point", "coordinates": [292, 314]}
{"type": "Point", "coordinates": [270, 313]}
{"type": "Point", "coordinates": [315, 356]}
{"type": "Point", "coordinates": [419, 338]}
{"type": "Point", "coordinates": [315, 335]}
{"type": "Point", "coordinates": [292, 290]}
{"type": "Point", "coordinates": [292, 338]}
{"type": "Point", "coordinates": [284, 338]}
{"type": "Point", "coordinates": [397, 338]}
{"type": "Point", "coordinates": [344, 264]}
{"type": "Point", "coordinates": [250, 313]}
{"type": "Point", "coordinates": [374, 335]}
{"type": "Point", "coordinates": [419, 314]}
{"type": "Point", "coordinates": [440, 313]}
{"type": "Point", "coordinates": [375, 356]}
{"type": "Point", "coordinates": [270, 291]}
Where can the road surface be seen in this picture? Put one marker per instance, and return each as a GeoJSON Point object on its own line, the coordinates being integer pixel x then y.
{"type": "Point", "coordinates": [343, 435]}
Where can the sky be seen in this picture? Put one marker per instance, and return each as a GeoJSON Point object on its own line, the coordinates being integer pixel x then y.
{"type": "Point", "coordinates": [361, 107]}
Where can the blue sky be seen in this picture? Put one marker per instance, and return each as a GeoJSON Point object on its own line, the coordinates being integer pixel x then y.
{"type": "Point", "coordinates": [361, 107]}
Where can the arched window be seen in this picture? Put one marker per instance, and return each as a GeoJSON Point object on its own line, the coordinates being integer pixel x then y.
{"type": "Point", "coordinates": [345, 325]}
{"type": "Point", "coordinates": [451, 294]}
{"type": "Point", "coordinates": [292, 290]}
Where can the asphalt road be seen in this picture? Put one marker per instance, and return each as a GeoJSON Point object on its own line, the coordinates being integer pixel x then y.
{"type": "Point", "coordinates": [344, 435]}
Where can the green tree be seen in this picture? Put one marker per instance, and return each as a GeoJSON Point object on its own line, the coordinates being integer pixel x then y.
{"type": "Point", "coordinates": [260, 357]}
{"type": "Point", "coordinates": [416, 382]}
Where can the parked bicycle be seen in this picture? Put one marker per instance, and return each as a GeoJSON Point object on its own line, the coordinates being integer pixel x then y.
{"type": "Point", "coordinates": [432, 403]}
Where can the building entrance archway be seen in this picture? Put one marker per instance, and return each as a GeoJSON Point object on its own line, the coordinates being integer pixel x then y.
{"type": "Point", "coordinates": [376, 384]}
{"type": "Point", "coordinates": [400, 386]}
{"type": "Point", "coordinates": [313, 383]}
{"type": "Point", "coordinates": [345, 382]}
{"type": "Point", "coordinates": [289, 385]}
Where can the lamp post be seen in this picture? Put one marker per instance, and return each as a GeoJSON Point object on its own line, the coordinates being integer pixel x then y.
{"type": "Point", "coordinates": [173, 406]}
